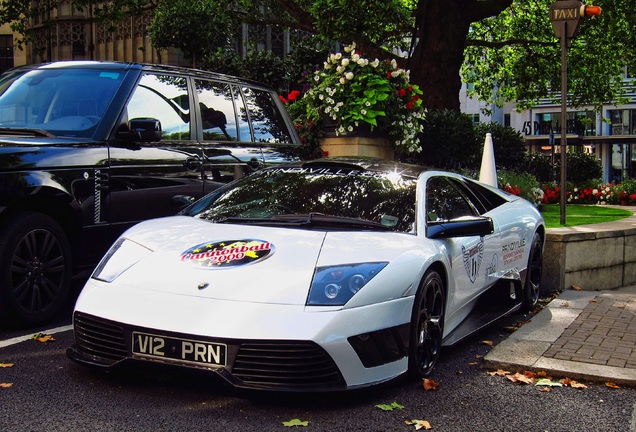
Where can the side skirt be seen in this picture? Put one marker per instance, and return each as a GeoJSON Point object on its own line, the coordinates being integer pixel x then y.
{"type": "Point", "coordinates": [502, 298]}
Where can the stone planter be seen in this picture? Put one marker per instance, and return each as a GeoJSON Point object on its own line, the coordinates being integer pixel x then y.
{"type": "Point", "coordinates": [361, 142]}
{"type": "Point", "coordinates": [358, 146]}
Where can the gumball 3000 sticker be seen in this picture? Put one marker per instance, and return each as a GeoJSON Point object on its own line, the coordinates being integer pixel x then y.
{"type": "Point", "coordinates": [228, 253]}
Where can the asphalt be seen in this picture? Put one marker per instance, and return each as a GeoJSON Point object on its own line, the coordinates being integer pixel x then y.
{"type": "Point", "coordinates": [581, 335]}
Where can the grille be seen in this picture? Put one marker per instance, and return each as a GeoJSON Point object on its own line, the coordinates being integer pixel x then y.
{"type": "Point", "coordinates": [299, 365]}
{"type": "Point", "coordinates": [99, 338]}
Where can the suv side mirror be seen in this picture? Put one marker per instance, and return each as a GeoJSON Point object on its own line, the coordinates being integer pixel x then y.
{"type": "Point", "coordinates": [142, 130]}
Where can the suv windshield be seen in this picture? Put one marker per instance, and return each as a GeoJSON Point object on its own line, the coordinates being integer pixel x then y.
{"type": "Point", "coordinates": [380, 197]}
{"type": "Point", "coordinates": [63, 102]}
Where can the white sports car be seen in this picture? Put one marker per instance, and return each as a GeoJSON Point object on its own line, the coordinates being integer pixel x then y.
{"type": "Point", "coordinates": [326, 275]}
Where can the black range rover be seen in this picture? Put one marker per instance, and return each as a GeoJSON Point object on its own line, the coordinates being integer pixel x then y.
{"type": "Point", "coordinates": [87, 149]}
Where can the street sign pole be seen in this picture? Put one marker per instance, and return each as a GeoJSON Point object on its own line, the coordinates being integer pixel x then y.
{"type": "Point", "coordinates": [565, 16]}
{"type": "Point", "coordinates": [564, 140]}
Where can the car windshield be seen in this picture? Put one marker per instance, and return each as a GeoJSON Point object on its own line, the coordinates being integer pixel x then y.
{"type": "Point", "coordinates": [63, 102]}
{"type": "Point", "coordinates": [385, 198]}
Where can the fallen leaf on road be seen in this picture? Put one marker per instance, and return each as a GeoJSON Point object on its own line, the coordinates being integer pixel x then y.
{"type": "Point", "coordinates": [520, 378]}
{"type": "Point", "coordinates": [548, 383]}
{"type": "Point", "coordinates": [6, 365]}
{"type": "Point", "coordinates": [430, 384]}
{"type": "Point", "coordinates": [571, 383]}
{"type": "Point", "coordinates": [419, 424]}
{"type": "Point", "coordinates": [5, 385]}
{"type": "Point", "coordinates": [487, 342]}
{"type": "Point", "coordinates": [43, 337]}
{"type": "Point", "coordinates": [295, 422]}
{"type": "Point", "coordinates": [576, 288]}
{"type": "Point", "coordinates": [499, 372]}
{"type": "Point", "coordinates": [391, 407]}
{"type": "Point", "coordinates": [612, 385]}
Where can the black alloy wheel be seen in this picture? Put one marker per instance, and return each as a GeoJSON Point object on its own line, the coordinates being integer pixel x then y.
{"type": "Point", "coordinates": [427, 326]}
{"type": "Point", "coordinates": [532, 286]}
{"type": "Point", "coordinates": [35, 269]}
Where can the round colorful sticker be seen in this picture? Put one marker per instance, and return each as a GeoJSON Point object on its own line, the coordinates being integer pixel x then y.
{"type": "Point", "coordinates": [228, 253]}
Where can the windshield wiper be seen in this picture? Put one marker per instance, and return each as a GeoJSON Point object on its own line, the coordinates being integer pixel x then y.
{"type": "Point", "coordinates": [311, 220]}
{"type": "Point", "coordinates": [25, 132]}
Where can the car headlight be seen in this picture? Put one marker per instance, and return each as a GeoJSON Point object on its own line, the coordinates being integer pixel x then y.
{"type": "Point", "coordinates": [335, 285]}
{"type": "Point", "coordinates": [120, 257]}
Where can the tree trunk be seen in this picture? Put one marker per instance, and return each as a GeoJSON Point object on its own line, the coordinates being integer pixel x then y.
{"type": "Point", "coordinates": [442, 29]}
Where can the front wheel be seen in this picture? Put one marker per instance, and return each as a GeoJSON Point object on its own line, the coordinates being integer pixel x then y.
{"type": "Point", "coordinates": [532, 286]}
{"type": "Point", "coordinates": [35, 269]}
{"type": "Point", "coordinates": [427, 326]}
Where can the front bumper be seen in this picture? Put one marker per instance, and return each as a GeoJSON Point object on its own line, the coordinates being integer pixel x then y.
{"type": "Point", "coordinates": [312, 350]}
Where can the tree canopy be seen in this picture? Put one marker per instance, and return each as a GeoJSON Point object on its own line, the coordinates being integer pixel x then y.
{"type": "Point", "coordinates": [506, 48]}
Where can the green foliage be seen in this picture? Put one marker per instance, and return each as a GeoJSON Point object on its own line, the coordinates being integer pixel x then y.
{"type": "Point", "coordinates": [195, 27]}
{"type": "Point", "coordinates": [540, 167]}
{"type": "Point", "coordinates": [516, 56]}
{"type": "Point", "coordinates": [521, 184]}
{"type": "Point", "coordinates": [581, 167]}
{"type": "Point", "coordinates": [508, 144]}
{"type": "Point", "coordinates": [448, 141]}
{"type": "Point", "coordinates": [382, 22]}
{"type": "Point", "coordinates": [353, 91]}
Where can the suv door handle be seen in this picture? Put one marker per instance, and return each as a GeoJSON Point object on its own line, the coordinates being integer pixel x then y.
{"type": "Point", "coordinates": [193, 163]}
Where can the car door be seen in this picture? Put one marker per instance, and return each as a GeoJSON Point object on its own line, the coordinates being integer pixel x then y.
{"type": "Point", "coordinates": [473, 258]}
{"type": "Point", "coordinates": [147, 178]}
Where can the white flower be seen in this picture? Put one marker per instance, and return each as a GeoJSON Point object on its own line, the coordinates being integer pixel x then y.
{"type": "Point", "coordinates": [375, 63]}
{"type": "Point", "coordinates": [395, 74]}
{"type": "Point", "coordinates": [363, 62]}
{"type": "Point", "coordinates": [343, 80]}
{"type": "Point", "coordinates": [355, 57]}
{"type": "Point", "coordinates": [345, 62]}
{"type": "Point", "coordinates": [340, 69]}
{"type": "Point", "coordinates": [349, 75]}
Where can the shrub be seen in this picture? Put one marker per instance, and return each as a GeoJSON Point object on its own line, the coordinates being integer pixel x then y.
{"type": "Point", "coordinates": [524, 185]}
{"type": "Point", "coordinates": [508, 144]}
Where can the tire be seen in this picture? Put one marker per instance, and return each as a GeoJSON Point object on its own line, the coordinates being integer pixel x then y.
{"type": "Point", "coordinates": [427, 326]}
{"type": "Point", "coordinates": [35, 269]}
{"type": "Point", "coordinates": [532, 285]}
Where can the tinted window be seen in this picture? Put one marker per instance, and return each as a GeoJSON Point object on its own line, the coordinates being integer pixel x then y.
{"type": "Point", "coordinates": [217, 111]}
{"type": "Point", "coordinates": [165, 98]}
{"type": "Point", "coordinates": [267, 122]}
{"type": "Point", "coordinates": [388, 199]}
{"type": "Point", "coordinates": [444, 201]}
{"type": "Point", "coordinates": [488, 199]}
{"type": "Point", "coordinates": [65, 102]}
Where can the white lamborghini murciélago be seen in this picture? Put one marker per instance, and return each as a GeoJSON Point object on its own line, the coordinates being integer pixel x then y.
{"type": "Point", "coordinates": [326, 275]}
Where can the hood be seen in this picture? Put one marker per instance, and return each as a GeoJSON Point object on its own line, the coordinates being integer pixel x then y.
{"type": "Point", "coordinates": [197, 258]}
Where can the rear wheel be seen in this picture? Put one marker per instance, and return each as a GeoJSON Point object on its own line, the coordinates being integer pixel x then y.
{"type": "Point", "coordinates": [427, 325]}
{"type": "Point", "coordinates": [532, 286]}
{"type": "Point", "coordinates": [35, 269]}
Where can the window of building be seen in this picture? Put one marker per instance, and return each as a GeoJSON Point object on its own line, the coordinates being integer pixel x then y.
{"type": "Point", "coordinates": [6, 52]}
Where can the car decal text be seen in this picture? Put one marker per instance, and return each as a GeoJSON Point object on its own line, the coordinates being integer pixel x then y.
{"type": "Point", "coordinates": [228, 253]}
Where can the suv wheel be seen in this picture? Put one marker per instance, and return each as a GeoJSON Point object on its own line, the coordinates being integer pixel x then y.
{"type": "Point", "coordinates": [35, 269]}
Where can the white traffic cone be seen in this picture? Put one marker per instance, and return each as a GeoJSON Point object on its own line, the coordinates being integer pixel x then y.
{"type": "Point", "coordinates": [488, 172]}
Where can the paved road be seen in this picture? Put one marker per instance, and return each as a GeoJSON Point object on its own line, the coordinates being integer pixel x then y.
{"type": "Point", "coordinates": [50, 393]}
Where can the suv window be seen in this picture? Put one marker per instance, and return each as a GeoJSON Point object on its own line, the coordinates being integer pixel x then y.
{"type": "Point", "coordinates": [165, 98]}
{"type": "Point", "coordinates": [68, 103]}
{"type": "Point", "coordinates": [267, 122]}
{"type": "Point", "coordinates": [217, 111]}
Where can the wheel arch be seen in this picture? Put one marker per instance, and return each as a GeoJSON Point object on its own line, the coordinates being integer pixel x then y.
{"type": "Point", "coordinates": [60, 210]}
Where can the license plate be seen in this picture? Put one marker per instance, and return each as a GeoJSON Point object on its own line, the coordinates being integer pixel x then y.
{"type": "Point", "coordinates": [190, 351]}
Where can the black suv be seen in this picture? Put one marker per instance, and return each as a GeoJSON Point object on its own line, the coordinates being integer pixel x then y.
{"type": "Point", "coordinates": [87, 149]}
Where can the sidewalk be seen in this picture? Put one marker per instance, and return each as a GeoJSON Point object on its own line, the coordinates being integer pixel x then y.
{"type": "Point", "coordinates": [582, 335]}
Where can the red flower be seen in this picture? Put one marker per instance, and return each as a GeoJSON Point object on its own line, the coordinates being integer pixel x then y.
{"type": "Point", "coordinates": [283, 100]}
{"type": "Point", "coordinates": [402, 92]}
{"type": "Point", "coordinates": [293, 95]}
{"type": "Point", "coordinates": [409, 105]}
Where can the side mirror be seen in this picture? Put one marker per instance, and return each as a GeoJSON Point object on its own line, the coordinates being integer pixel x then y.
{"type": "Point", "coordinates": [142, 130]}
{"type": "Point", "coordinates": [463, 227]}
